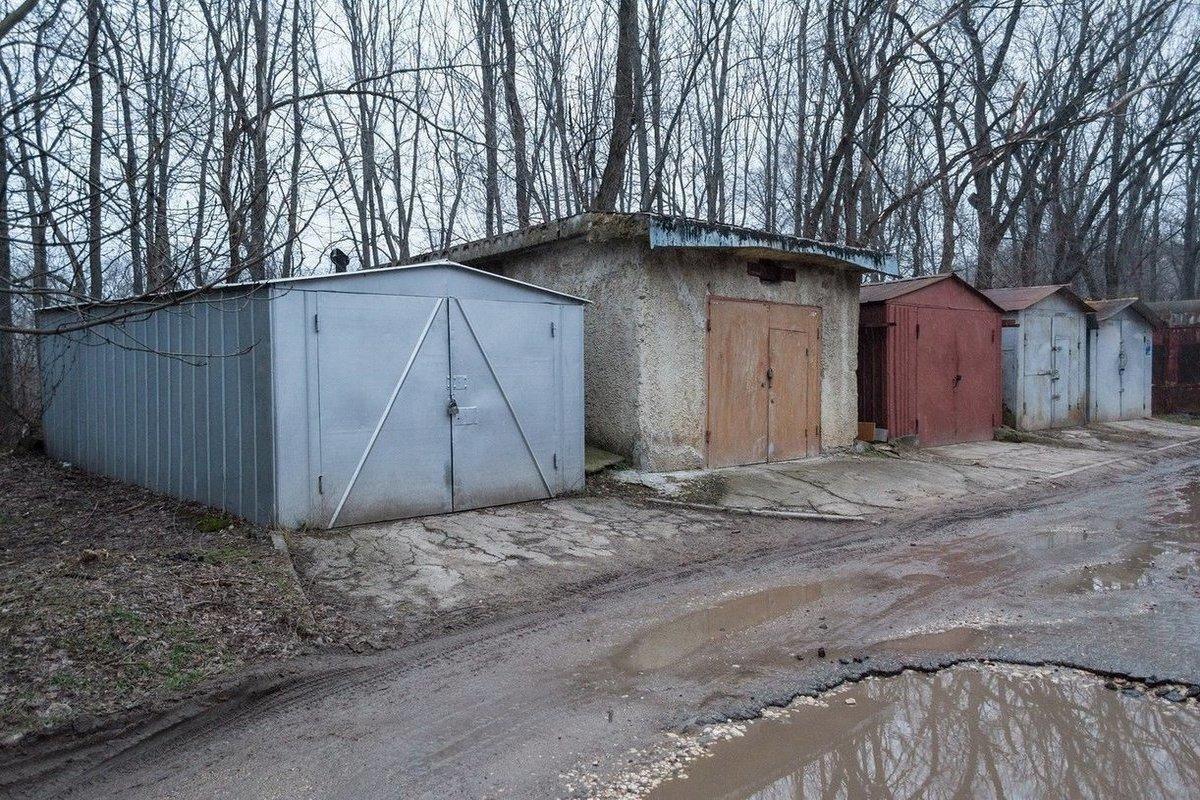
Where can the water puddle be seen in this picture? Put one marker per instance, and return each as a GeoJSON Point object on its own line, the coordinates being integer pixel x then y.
{"type": "Point", "coordinates": [1177, 508]}
{"type": "Point", "coordinates": [970, 731]}
{"type": "Point", "coordinates": [1145, 565]}
{"type": "Point", "coordinates": [668, 641]}
{"type": "Point", "coordinates": [951, 640]}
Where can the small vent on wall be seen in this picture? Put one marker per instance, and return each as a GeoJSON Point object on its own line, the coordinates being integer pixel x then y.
{"type": "Point", "coordinates": [771, 272]}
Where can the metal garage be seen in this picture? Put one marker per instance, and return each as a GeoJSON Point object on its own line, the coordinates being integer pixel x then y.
{"type": "Point", "coordinates": [1176, 357]}
{"type": "Point", "coordinates": [1120, 359]}
{"type": "Point", "coordinates": [329, 400]}
{"type": "Point", "coordinates": [929, 360]}
{"type": "Point", "coordinates": [1044, 355]}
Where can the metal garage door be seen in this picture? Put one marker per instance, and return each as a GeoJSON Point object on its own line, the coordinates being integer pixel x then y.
{"type": "Point", "coordinates": [956, 376]}
{"type": "Point", "coordinates": [1048, 370]}
{"type": "Point", "coordinates": [429, 405]}
{"type": "Point", "coordinates": [764, 381]}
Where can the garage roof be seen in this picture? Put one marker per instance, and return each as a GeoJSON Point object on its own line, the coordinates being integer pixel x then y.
{"type": "Point", "coordinates": [662, 231]}
{"type": "Point", "coordinates": [1105, 309]}
{"type": "Point", "coordinates": [1020, 298]}
{"type": "Point", "coordinates": [890, 290]}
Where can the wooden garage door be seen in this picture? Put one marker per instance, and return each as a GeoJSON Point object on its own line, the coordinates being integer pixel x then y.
{"type": "Point", "coordinates": [764, 381]}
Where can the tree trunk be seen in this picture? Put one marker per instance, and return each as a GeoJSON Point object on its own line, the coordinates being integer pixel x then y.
{"type": "Point", "coordinates": [96, 93]}
{"type": "Point", "coordinates": [516, 117]}
{"type": "Point", "coordinates": [624, 103]}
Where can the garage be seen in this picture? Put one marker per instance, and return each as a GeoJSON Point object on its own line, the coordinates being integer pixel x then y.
{"type": "Point", "coordinates": [684, 321]}
{"type": "Point", "coordinates": [764, 381]}
{"type": "Point", "coordinates": [1044, 353]}
{"type": "Point", "coordinates": [330, 400]}
{"type": "Point", "coordinates": [929, 360]}
{"type": "Point", "coordinates": [1120, 353]}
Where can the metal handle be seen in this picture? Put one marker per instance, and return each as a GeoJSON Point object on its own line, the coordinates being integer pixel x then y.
{"type": "Point", "coordinates": [770, 375]}
{"type": "Point", "coordinates": [957, 379]}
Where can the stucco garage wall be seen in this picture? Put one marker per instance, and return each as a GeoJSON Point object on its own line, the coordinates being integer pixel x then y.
{"type": "Point", "coordinates": [610, 273]}
{"type": "Point", "coordinates": [672, 363]}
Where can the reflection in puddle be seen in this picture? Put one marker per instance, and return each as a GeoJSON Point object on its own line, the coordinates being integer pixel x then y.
{"type": "Point", "coordinates": [668, 641]}
{"type": "Point", "coordinates": [970, 731]}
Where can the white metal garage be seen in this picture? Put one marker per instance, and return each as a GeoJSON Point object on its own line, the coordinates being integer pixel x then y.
{"type": "Point", "coordinates": [329, 400]}
{"type": "Point", "coordinates": [1043, 356]}
{"type": "Point", "coordinates": [1120, 359]}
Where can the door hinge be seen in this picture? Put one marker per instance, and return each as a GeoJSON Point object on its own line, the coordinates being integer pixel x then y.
{"type": "Point", "coordinates": [918, 330]}
{"type": "Point", "coordinates": [316, 324]}
{"type": "Point", "coordinates": [818, 431]}
{"type": "Point", "coordinates": [707, 437]}
{"type": "Point", "coordinates": [320, 484]}
{"type": "Point", "coordinates": [917, 426]}
{"type": "Point", "coordinates": [708, 326]}
{"type": "Point", "coordinates": [551, 330]}
{"type": "Point", "coordinates": [554, 460]}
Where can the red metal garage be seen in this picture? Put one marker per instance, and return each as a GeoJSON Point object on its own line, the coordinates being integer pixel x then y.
{"type": "Point", "coordinates": [929, 359]}
{"type": "Point", "coordinates": [1176, 357]}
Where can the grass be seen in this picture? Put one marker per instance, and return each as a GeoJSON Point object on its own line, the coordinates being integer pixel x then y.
{"type": "Point", "coordinates": [211, 523]}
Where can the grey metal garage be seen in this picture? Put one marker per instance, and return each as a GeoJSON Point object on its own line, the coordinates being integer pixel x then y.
{"type": "Point", "coordinates": [1043, 356]}
{"type": "Point", "coordinates": [328, 400]}
{"type": "Point", "coordinates": [1120, 359]}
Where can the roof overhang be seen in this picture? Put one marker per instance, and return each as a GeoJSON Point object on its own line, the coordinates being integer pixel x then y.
{"type": "Point", "coordinates": [677, 232]}
{"type": "Point", "coordinates": [664, 232]}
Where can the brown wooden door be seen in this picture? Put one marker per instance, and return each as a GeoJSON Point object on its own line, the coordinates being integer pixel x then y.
{"type": "Point", "coordinates": [764, 382]}
{"type": "Point", "coordinates": [787, 390]}
{"type": "Point", "coordinates": [737, 382]}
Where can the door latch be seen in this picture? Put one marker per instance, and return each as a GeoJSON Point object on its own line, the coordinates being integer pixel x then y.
{"type": "Point", "coordinates": [452, 409]}
{"type": "Point", "coordinates": [957, 380]}
{"type": "Point", "coordinates": [770, 375]}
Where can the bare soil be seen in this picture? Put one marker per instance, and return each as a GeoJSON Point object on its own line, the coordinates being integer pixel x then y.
{"type": "Point", "coordinates": [112, 597]}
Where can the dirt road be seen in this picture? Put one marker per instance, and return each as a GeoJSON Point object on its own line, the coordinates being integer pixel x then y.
{"type": "Point", "coordinates": [1100, 571]}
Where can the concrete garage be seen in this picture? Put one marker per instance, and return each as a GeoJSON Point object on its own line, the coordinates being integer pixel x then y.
{"type": "Point", "coordinates": [707, 344]}
{"type": "Point", "coordinates": [1044, 356]}
{"type": "Point", "coordinates": [1120, 359]}
{"type": "Point", "coordinates": [929, 360]}
{"type": "Point", "coordinates": [330, 400]}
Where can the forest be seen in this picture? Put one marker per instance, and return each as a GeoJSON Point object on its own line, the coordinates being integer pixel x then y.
{"type": "Point", "coordinates": [164, 145]}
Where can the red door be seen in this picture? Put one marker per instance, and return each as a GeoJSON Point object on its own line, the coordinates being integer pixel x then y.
{"type": "Point", "coordinates": [937, 365]}
{"type": "Point", "coordinates": [978, 384]}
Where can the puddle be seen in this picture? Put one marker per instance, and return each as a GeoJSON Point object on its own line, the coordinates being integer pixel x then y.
{"type": "Point", "coordinates": [666, 642]}
{"type": "Point", "coordinates": [969, 731]}
{"type": "Point", "coordinates": [952, 640]}
{"type": "Point", "coordinates": [1147, 564]}
{"type": "Point", "coordinates": [1177, 509]}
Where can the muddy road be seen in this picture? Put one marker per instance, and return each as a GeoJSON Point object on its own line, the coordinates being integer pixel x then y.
{"type": "Point", "coordinates": [1100, 572]}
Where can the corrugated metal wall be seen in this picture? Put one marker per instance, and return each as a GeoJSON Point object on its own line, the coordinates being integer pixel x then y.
{"type": "Point", "coordinates": [178, 400]}
{"type": "Point", "coordinates": [872, 364]}
{"type": "Point", "coordinates": [1177, 369]}
{"type": "Point", "coordinates": [902, 370]}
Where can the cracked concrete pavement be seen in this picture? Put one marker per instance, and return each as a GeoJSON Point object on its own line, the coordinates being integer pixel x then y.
{"type": "Point", "coordinates": [398, 576]}
{"type": "Point", "coordinates": [395, 573]}
{"type": "Point", "coordinates": [889, 478]}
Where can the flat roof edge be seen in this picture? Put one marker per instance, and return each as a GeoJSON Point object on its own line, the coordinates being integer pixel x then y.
{"type": "Point", "coordinates": [669, 232]}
